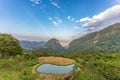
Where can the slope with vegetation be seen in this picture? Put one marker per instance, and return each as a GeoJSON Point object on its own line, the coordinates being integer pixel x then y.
{"type": "Point", "coordinates": [9, 46]}
{"type": "Point", "coordinates": [104, 41]}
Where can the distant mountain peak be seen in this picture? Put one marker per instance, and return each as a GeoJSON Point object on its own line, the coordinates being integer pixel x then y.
{"type": "Point", "coordinates": [54, 45]}
{"type": "Point", "coordinates": [54, 40]}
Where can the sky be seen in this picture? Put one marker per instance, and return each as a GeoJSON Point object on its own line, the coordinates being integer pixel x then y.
{"type": "Point", "coordinates": [66, 20]}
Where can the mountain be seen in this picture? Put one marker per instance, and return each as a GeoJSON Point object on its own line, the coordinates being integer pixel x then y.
{"type": "Point", "coordinates": [104, 41]}
{"type": "Point", "coordinates": [53, 46]}
{"type": "Point", "coordinates": [64, 44]}
{"type": "Point", "coordinates": [28, 45]}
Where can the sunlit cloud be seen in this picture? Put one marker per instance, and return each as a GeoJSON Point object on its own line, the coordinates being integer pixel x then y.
{"type": "Point", "coordinates": [76, 27]}
{"type": "Point", "coordinates": [77, 21]}
{"type": "Point", "coordinates": [55, 21]}
{"type": "Point", "coordinates": [102, 20]}
{"type": "Point", "coordinates": [68, 17]}
{"type": "Point", "coordinates": [72, 19]}
{"type": "Point", "coordinates": [55, 4]}
{"type": "Point", "coordinates": [35, 1]}
{"type": "Point", "coordinates": [85, 19]}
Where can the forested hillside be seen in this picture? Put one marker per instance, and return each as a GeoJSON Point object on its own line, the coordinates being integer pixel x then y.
{"type": "Point", "coordinates": [104, 41]}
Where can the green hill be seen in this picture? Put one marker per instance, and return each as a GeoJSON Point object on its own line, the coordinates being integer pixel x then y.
{"type": "Point", "coordinates": [53, 46]}
{"type": "Point", "coordinates": [104, 41]}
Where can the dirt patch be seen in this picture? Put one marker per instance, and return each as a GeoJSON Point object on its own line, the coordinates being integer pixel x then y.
{"type": "Point", "coordinates": [56, 60]}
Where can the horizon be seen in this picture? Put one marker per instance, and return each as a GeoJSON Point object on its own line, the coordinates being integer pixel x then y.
{"type": "Point", "coordinates": [40, 20]}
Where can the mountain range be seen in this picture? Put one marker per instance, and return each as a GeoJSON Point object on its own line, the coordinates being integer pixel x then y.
{"type": "Point", "coordinates": [104, 41]}
{"type": "Point", "coordinates": [32, 45]}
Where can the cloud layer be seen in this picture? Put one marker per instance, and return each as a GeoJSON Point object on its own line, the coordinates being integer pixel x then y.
{"type": "Point", "coordinates": [102, 20]}
{"type": "Point", "coordinates": [30, 37]}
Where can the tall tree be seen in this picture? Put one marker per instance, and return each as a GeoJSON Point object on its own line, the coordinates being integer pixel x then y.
{"type": "Point", "coordinates": [9, 46]}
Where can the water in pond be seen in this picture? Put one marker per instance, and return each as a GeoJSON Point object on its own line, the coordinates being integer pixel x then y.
{"type": "Point", "coordinates": [55, 69]}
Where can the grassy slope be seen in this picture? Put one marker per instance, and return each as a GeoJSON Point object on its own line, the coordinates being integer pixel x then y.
{"type": "Point", "coordinates": [14, 68]}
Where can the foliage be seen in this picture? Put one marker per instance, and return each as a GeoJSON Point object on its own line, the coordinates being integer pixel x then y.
{"type": "Point", "coordinates": [98, 67]}
{"type": "Point", "coordinates": [9, 46]}
{"type": "Point", "coordinates": [32, 63]}
{"type": "Point", "coordinates": [27, 78]}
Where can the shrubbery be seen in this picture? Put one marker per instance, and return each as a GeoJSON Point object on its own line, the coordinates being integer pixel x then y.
{"type": "Point", "coordinates": [9, 46]}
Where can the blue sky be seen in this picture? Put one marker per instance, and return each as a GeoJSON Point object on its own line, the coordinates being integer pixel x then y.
{"type": "Point", "coordinates": [62, 19]}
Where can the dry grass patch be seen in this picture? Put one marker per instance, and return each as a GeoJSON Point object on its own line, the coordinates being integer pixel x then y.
{"type": "Point", "coordinates": [56, 60]}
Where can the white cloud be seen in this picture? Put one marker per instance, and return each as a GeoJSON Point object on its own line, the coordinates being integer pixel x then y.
{"type": "Point", "coordinates": [76, 27]}
{"type": "Point", "coordinates": [35, 1]}
{"type": "Point", "coordinates": [84, 19]}
{"type": "Point", "coordinates": [77, 21]}
{"type": "Point", "coordinates": [68, 17]}
{"type": "Point", "coordinates": [56, 21]}
{"type": "Point", "coordinates": [55, 4]}
{"type": "Point", "coordinates": [60, 21]}
{"type": "Point", "coordinates": [50, 18]}
{"type": "Point", "coordinates": [102, 20]}
{"type": "Point", "coordinates": [72, 19]}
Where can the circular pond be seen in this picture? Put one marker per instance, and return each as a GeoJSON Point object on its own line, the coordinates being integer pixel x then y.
{"type": "Point", "coordinates": [55, 69]}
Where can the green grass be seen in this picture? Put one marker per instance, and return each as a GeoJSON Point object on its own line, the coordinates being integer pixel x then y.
{"type": "Point", "coordinates": [93, 67]}
{"type": "Point", "coordinates": [8, 74]}
{"type": "Point", "coordinates": [16, 67]}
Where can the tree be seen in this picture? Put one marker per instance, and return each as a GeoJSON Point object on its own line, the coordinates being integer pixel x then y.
{"type": "Point", "coordinates": [9, 46]}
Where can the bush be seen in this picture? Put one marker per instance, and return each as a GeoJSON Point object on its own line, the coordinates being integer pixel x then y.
{"type": "Point", "coordinates": [32, 63]}
{"type": "Point", "coordinates": [24, 77]}
{"type": "Point", "coordinates": [9, 46]}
